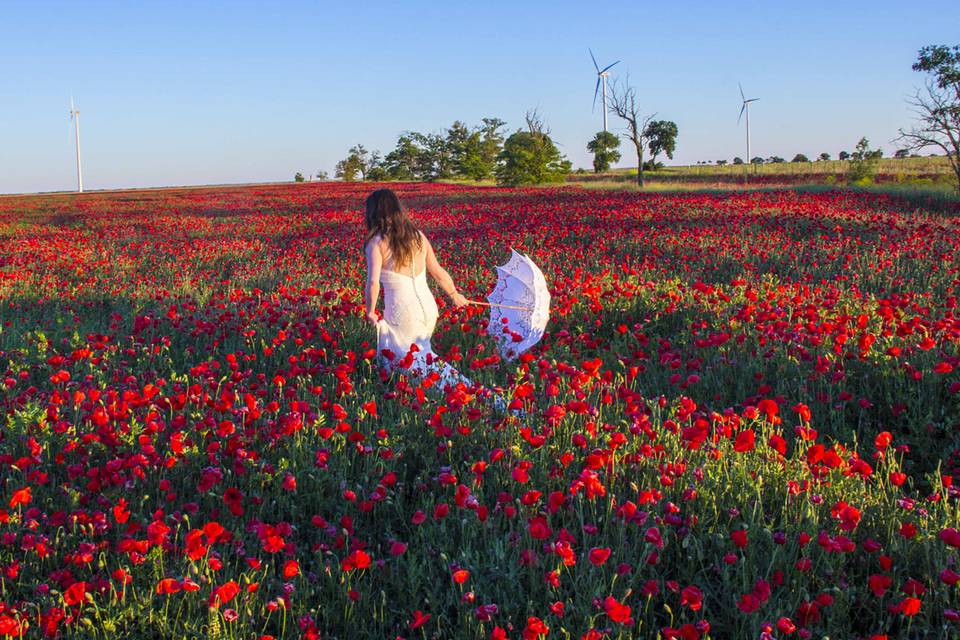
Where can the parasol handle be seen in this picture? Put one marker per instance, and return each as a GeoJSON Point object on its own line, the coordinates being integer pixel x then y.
{"type": "Point", "coordinates": [504, 306]}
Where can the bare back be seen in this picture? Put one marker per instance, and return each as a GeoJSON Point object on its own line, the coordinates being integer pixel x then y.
{"type": "Point", "coordinates": [416, 266]}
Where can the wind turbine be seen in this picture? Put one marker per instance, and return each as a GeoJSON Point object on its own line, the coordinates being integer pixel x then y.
{"type": "Point", "coordinates": [746, 109]}
{"type": "Point", "coordinates": [601, 82]}
{"type": "Point", "coordinates": [75, 116]}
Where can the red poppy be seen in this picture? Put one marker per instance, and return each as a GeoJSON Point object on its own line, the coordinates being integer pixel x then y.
{"type": "Point", "coordinates": [879, 584]}
{"type": "Point", "coordinates": [419, 619]}
{"type": "Point", "coordinates": [599, 555]}
{"type": "Point", "coordinates": [745, 441]}
{"type": "Point", "coordinates": [359, 559]}
{"type": "Point", "coordinates": [739, 538]}
{"type": "Point", "coordinates": [908, 606]}
{"type": "Point", "coordinates": [617, 611]}
{"type": "Point", "coordinates": [224, 593]}
{"type": "Point", "coordinates": [21, 496]}
{"type": "Point", "coordinates": [535, 629]}
{"type": "Point", "coordinates": [291, 568]}
{"type": "Point", "coordinates": [167, 586]}
{"type": "Point", "coordinates": [692, 597]}
{"type": "Point", "coordinates": [75, 594]}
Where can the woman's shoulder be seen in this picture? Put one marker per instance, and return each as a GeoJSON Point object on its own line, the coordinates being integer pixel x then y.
{"type": "Point", "coordinates": [374, 243]}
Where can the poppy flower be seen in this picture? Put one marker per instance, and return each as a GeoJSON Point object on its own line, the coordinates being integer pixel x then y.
{"type": "Point", "coordinates": [20, 497]}
{"type": "Point", "coordinates": [419, 619]}
{"type": "Point", "coordinates": [224, 593]}
{"type": "Point", "coordinates": [359, 559]}
{"type": "Point", "coordinates": [692, 597]}
{"type": "Point", "coordinates": [617, 611]}
{"type": "Point", "coordinates": [535, 629]}
{"type": "Point", "coordinates": [745, 441]}
{"type": "Point", "coordinates": [599, 555]}
{"type": "Point", "coordinates": [291, 568]}
{"type": "Point", "coordinates": [75, 594]}
{"type": "Point", "coordinates": [879, 584]}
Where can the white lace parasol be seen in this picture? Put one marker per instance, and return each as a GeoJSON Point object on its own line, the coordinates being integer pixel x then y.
{"type": "Point", "coordinates": [519, 306]}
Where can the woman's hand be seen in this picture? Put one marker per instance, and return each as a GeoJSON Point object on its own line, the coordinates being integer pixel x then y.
{"type": "Point", "coordinates": [458, 300]}
{"type": "Point", "coordinates": [372, 318]}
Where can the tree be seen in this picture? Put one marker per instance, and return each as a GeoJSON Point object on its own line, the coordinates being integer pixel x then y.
{"type": "Point", "coordinates": [738, 160]}
{"type": "Point", "coordinates": [490, 147]}
{"type": "Point", "coordinates": [800, 158]}
{"type": "Point", "coordinates": [824, 156]}
{"type": "Point", "coordinates": [775, 160]}
{"type": "Point", "coordinates": [298, 177]}
{"type": "Point", "coordinates": [604, 148]}
{"type": "Point", "coordinates": [376, 171]}
{"type": "Point", "coordinates": [863, 162]}
{"type": "Point", "coordinates": [623, 103]}
{"type": "Point", "coordinates": [435, 160]}
{"type": "Point", "coordinates": [937, 107]}
{"type": "Point", "coordinates": [901, 153]}
{"type": "Point", "coordinates": [357, 163]}
{"type": "Point", "coordinates": [322, 175]}
{"type": "Point", "coordinates": [756, 160]}
{"type": "Point", "coordinates": [403, 161]}
{"type": "Point", "coordinates": [457, 140]}
{"type": "Point", "coordinates": [844, 155]}
{"type": "Point", "coordinates": [531, 157]}
{"type": "Point", "coordinates": [661, 138]}
{"type": "Point", "coordinates": [475, 151]}
{"type": "Point", "coordinates": [721, 163]}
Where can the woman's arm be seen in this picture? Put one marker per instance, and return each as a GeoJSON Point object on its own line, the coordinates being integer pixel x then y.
{"type": "Point", "coordinates": [371, 291]}
{"type": "Point", "coordinates": [442, 277]}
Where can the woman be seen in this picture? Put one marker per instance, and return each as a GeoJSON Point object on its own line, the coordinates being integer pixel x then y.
{"type": "Point", "coordinates": [399, 257]}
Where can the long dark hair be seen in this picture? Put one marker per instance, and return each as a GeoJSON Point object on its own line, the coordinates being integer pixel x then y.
{"type": "Point", "coordinates": [386, 216]}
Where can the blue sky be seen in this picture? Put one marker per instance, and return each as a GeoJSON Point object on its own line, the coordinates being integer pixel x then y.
{"type": "Point", "coordinates": [177, 93]}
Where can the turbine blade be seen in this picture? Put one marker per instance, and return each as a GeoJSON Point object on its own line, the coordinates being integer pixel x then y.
{"type": "Point", "coordinates": [595, 92]}
{"type": "Point", "coordinates": [610, 65]}
{"type": "Point", "coordinates": [742, 97]}
{"type": "Point", "coordinates": [742, 109]}
{"type": "Point", "coordinates": [595, 65]}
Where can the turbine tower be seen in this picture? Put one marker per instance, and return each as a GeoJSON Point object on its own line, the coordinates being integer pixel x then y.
{"type": "Point", "coordinates": [746, 109]}
{"type": "Point", "coordinates": [601, 83]}
{"type": "Point", "coordinates": [75, 116]}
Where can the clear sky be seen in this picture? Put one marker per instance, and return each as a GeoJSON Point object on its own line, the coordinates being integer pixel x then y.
{"type": "Point", "coordinates": [200, 92]}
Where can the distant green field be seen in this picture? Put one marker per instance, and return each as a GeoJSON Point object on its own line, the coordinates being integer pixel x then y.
{"type": "Point", "coordinates": [930, 175]}
{"type": "Point", "coordinates": [887, 166]}
{"type": "Point", "coordinates": [909, 166]}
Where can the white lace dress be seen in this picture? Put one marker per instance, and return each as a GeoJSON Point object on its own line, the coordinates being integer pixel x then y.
{"type": "Point", "coordinates": [409, 317]}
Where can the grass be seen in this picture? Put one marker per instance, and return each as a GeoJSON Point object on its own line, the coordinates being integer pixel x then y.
{"type": "Point", "coordinates": [937, 165]}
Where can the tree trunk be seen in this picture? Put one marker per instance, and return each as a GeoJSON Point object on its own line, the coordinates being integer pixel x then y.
{"type": "Point", "coordinates": [640, 168]}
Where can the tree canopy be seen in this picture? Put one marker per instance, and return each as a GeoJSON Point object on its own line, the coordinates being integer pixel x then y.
{"type": "Point", "coordinates": [605, 150]}
{"type": "Point", "coordinates": [531, 157]}
{"type": "Point", "coordinates": [661, 138]}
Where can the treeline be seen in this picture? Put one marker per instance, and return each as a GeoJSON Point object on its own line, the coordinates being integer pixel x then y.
{"type": "Point", "coordinates": [481, 152]}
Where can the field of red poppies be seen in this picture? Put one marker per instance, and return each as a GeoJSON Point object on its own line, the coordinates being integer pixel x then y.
{"type": "Point", "coordinates": [743, 421]}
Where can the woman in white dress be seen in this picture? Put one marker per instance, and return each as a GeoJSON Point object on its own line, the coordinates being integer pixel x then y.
{"type": "Point", "coordinates": [399, 257]}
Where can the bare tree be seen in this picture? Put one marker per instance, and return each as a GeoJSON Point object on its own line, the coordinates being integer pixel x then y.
{"type": "Point", "coordinates": [622, 102]}
{"type": "Point", "coordinates": [535, 123]}
{"type": "Point", "coordinates": [938, 106]}
{"type": "Point", "coordinates": [938, 125]}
